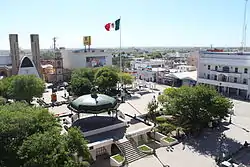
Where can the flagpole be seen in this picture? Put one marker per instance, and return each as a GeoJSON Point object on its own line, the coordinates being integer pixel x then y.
{"type": "Point", "coordinates": [120, 49]}
{"type": "Point", "coordinates": [120, 53]}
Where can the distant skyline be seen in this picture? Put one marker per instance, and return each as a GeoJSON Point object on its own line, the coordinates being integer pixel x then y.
{"type": "Point", "coordinates": [163, 23]}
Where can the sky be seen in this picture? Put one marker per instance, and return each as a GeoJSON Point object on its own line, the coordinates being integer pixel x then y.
{"type": "Point", "coordinates": [144, 23]}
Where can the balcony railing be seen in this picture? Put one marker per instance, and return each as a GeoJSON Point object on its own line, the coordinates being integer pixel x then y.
{"type": "Point", "coordinates": [227, 72]}
{"type": "Point", "coordinates": [223, 80]}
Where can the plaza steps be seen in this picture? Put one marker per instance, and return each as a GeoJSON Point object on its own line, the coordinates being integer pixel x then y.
{"type": "Point", "coordinates": [129, 148]}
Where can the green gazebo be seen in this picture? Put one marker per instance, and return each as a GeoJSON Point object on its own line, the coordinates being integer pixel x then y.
{"type": "Point", "coordinates": [93, 104]}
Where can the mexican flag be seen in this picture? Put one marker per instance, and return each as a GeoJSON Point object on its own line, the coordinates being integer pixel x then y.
{"type": "Point", "coordinates": [113, 26]}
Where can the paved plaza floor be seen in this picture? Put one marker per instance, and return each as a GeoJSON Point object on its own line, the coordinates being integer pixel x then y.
{"type": "Point", "coordinates": [149, 161]}
{"type": "Point", "coordinates": [197, 152]}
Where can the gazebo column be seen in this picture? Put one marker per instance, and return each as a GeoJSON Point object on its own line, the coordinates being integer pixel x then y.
{"type": "Point", "coordinates": [108, 149]}
{"type": "Point", "coordinates": [93, 154]}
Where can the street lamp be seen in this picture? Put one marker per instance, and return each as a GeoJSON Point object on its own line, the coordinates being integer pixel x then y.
{"type": "Point", "coordinates": [154, 153]}
{"type": "Point", "coordinates": [221, 141]}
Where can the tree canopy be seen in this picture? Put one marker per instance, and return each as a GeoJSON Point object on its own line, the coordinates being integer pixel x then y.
{"type": "Point", "coordinates": [30, 136]}
{"type": "Point", "coordinates": [194, 107]}
{"type": "Point", "coordinates": [125, 78]}
{"type": "Point", "coordinates": [106, 78]}
{"type": "Point", "coordinates": [82, 80]}
{"type": "Point", "coordinates": [22, 87]}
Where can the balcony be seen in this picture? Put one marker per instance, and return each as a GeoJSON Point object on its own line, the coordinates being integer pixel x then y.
{"type": "Point", "coordinates": [227, 73]}
{"type": "Point", "coordinates": [223, 83]}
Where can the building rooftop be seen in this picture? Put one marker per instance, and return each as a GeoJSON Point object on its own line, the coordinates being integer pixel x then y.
{"type": "Point", "coordinates": [226, 53]}
{"type": "Point", "coordinates": [93, 103]}
{"type": "Point", "coordinates": [184, 75]}
{"type": "Point", "coordinates": [112, 134]}
{"type": "Point", "coordinates": [95, 122]}
{"type": "Point", "coordinates": [159, 69]}
{"type": "Point", "coordinates": [92, 50]}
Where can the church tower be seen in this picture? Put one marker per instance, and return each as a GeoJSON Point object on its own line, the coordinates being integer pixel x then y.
{"type": "Point", "coordinates": [14, 53]}
{"type": "Point", "coordinates": [35, 49]}
{"type": "Point", "coordinates": [58, 65]}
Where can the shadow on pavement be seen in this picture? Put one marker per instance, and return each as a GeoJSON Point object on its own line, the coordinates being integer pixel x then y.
{"type": "Point", "coordinates": [214, 143]}
{"type": "Point", "coordinates": [101, 161]}
{"type": "Point", "coordinates": [134, 98]}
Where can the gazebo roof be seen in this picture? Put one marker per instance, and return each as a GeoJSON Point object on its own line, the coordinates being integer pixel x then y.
{"type": "Point", "coordinates": [95, 104]}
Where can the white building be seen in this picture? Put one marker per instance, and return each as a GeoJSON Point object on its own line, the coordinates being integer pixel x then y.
{"type": "Point", "coordinates": [228, 72]}
{"type": "Point", "coordinates": [185, 68]}
{"type": "Point", "coordinates": [140, 63]}
{"type": "Point", "coordinates": [79, 58]}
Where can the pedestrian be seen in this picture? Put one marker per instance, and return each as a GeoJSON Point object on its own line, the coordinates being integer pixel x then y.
{"type": "Point", "coordinates": [246, 144]}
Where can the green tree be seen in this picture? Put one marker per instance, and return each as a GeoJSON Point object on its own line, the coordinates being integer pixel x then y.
{"type": "Point", "coordinates": [125, 62]}
{"type": "Point", "coordinates": [80, 86]}
{"type": "Point", "coordinates": [125, 78]}
{"type": "Point", "coordinates": [152, 107]}
{"type": "Point", "coordinates": [5, 87]}
{"type": "Point", "coordinates": [106, 78]}
{"type": "Point", "coordinates": [25, 87]}
{"type": "Point", "coordinates": [194, 107]}
{"type": "Point", "coordinates": [88, 73]}
{"type": "Point", "coordinates": [48, 55]}
{"type": "Point", "coordinates": [2, 101]}
{"type": "Point", "coordinates": [17, 122]}
{"type": "Point", "coordinates": [82, 80]}
{"type": "Point", "coordinates": [50, 149]}
{"type": "Point", "coordinates": [30, 136]}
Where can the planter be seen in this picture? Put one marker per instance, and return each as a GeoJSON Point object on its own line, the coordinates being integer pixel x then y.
{"type": "Point", "coordinates": [116, 160]}
{"type": "Point", "coordinates": [168, 141]}
{"type": "Point", "coordinates": [145, 149]}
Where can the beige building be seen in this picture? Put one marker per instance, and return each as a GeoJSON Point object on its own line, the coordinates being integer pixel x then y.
{"type": "Point", "coordinates": [192, 60]}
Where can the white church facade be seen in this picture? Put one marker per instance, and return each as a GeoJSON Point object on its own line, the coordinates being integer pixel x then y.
{"type": "Point", "coordinates": [17, 64]}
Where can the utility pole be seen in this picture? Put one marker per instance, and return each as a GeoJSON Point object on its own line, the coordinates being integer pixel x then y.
{"type": "Point", "coordinates": [243, 42]}
{"type": "Point", "coordinates": [54, 43]}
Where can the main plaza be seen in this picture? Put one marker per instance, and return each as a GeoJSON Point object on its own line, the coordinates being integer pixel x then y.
{"type": "Point", "coordinates": [195, 152]}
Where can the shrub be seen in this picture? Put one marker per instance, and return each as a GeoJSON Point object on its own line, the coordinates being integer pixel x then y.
{"type": "Point", "coordinates": [166, 128]}
{"type": "Point", "coordinates": [160, 119]}
{"type": "Point", "coordinates": [2, 101]}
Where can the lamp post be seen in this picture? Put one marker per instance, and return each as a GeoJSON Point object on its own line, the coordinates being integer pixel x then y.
{"type": "Point", "coordinates": [154, 152]}
{"type": "Point", "coordinates": [221, 140]}
{"type": "Point", "coordinates": [231, 113]}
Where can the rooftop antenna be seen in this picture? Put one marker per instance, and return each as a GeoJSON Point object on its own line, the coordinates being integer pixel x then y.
{"type": "Point", "coordinates": [243, 42]}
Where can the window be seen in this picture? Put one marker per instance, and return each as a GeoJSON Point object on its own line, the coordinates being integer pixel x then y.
{"type": "Point", "coordinates": [215, 77]}
{"type": "Point", "coordinates": [208, 76]}
{"type": "Point", "coordinates": [244, 81]}
{"type": "Point", "coordinates": [225, 69]}
{"type": "Point", "coordinates": [26, 63]}
{"type": "Point", "coordinates": [58, 64]}
{"type": "Point", "coordinates": [245, 70]}
{"type": "Point", "coordinates": [235, 79]}
{"type": "Point", "coordinates": [236, 69]}
{"type": "Point", "coordinates": [208, 67]}
{"type": "Point", "coordinates": [216, 68]}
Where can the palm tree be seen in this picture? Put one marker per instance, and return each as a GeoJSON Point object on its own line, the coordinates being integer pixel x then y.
{"type": "Point", "coordinates": [152, 106]}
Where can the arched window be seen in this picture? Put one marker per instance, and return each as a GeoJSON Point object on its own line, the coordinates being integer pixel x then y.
{"type": "Point", "coordinates": [58, 64]}
{"type": "Point", "coordinates": [225, 69]}
{"type": "Point", "coordinates": [26, 63]}
{"type": "Point", "coordinates": [3, 73]}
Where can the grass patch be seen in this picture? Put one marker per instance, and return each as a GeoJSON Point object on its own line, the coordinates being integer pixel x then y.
{"type": "Point", "coordinates": [169, 139]}
{"type": "Point", "coordinates": [118, 158]}
{"type": "Point", "coordinates": [144, 148]}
